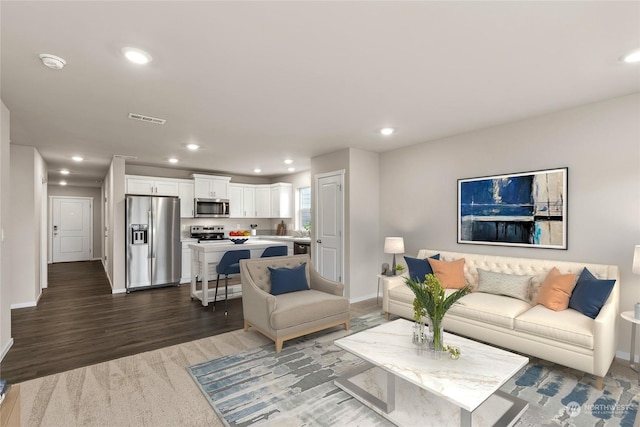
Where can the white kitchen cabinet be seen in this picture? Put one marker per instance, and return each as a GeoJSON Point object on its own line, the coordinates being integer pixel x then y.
{"type": "Point", "coordinates": [281, 200]}
{"type": "Point", "coordinates": [263, 201]}
{"type": "Point", "coordinates": [152, 186]}
{"type": "Point", "coordinates": [242, 201]}
{"type": "Point", "coordinates": [211, 187]}
{"type": "Point", "coordinates": [186, 191]}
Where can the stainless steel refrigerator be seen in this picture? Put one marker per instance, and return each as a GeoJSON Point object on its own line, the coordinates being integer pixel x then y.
{"type": "Point", "coordinates": [154, 251]}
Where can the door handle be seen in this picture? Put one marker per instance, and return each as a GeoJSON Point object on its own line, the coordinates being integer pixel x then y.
{"type": "Point", "coordinates": [318, 241]}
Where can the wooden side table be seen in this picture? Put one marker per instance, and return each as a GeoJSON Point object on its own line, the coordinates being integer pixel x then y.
{"type": "Point", "coordinates": [628, 316]}
{"type": "Point", "coordinates": [10, 409]}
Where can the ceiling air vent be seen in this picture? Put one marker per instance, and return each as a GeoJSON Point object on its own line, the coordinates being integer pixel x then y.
{"type": "Point", "coordinates": [147, 119]}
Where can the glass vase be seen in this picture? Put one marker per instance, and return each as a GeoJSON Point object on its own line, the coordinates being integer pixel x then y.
{"type": "Point", "coordinates": [418, 333]}
{"type": "Point", "coordinates": [437, 331]}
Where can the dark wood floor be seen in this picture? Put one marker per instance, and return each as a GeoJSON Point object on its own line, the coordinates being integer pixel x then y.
{"type": "Point", "coordinates": [78, 322]}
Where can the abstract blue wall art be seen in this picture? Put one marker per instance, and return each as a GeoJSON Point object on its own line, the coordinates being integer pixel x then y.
{"type": "Point", "coordinates": [523, 209]}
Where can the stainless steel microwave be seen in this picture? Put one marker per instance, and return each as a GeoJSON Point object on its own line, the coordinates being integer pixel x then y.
{"type": "Point", "coordinates": [211, 208]}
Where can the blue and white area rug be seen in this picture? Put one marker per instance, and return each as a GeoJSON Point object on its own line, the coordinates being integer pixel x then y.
{"type": "Point", "coordinates": [295, 388]}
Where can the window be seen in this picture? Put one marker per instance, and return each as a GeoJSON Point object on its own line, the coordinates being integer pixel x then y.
{"type": "Point", "coordinates": [304, 208]}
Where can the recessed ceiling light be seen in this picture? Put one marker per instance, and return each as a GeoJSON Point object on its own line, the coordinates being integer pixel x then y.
{"type": "Point", "coordinates": [257, 170]}
{"type": "Point", "coordinates": [52, 61]}
{"type": "Point", "coordinates": [173, 160]}
{"type": "Point", "coordinates": [137, 56]}
{"type": "Point", "coordinates": [64, 172]}
{"type": "Point", "coordinates": [288, 161]}
{"type": "Point", "coordinates": [291, 169]}
{"type": "Point", "coordinates": [631, 57]}
{"type": "Point", "coordinates": [77, 159]}
{"type": "Point", "coordinates": [387, 131]}
{"type": "Point", "coordinates": [63, 182]}
{"type": "Point", "coordinates": [193, 147]}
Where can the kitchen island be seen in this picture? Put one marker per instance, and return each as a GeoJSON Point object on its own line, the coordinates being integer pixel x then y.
{"type": "Point", "coordinates": [205, 258]}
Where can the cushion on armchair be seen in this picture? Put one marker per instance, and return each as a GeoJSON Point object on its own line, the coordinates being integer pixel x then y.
{"type": "Point", "coordinates": [285, 280]}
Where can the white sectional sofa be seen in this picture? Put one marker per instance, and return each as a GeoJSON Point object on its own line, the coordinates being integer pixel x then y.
{"type": "Point", "coordinates": [565, 337]}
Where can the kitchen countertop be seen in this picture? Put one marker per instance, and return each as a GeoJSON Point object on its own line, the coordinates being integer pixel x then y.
{"type": "Point", "coordinates": [228, 245]}
{"type": "Point", "coordinates": [288, 238]}
{"type": "Point", "coordinates": [254, 238]}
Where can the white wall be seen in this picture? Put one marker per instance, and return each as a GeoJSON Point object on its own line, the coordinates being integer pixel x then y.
{"type": "Point", "coordinates": [361, 228]}
{"type": "Point", "coordinates": [96, 194]}
{"type": "Point", "coordinates": [599, 143]}
{"type": "Point", "coordinates": [28, 177]}
{"type": "Point", "coordinates": [363, 220]}
{"type": "Point", "coordinates": [5, 224]}
{"type": "Point", "coordinates": [115, 222]}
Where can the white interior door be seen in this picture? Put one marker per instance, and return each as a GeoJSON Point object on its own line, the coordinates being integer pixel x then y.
{"type": "Point", "coordinates": [329, 225]}
{"type": "Point", "coordinates": [71, 229]}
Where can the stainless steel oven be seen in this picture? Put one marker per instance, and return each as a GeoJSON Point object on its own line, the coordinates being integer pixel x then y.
{"type": "Point", "coordinates": [211, 208]}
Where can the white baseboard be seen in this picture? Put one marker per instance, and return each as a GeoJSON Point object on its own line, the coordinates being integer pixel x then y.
{"type": "Point", "coordinates": [24, 304]}
{"type": "Point", "coordinates": [6, 348]}
{"type": "Point", "coordinates": [118, 291]}
{"type": "Point", "coordinates": [364, 298]}
{"type": "Point", "coordinates": [626, 356]}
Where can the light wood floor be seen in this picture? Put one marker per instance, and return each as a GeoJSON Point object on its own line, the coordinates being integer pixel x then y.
{"type": "Point", "coordinates": [78, 322]}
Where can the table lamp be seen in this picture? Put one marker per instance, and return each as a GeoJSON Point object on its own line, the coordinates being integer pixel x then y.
{"type": "Point", "coordinates": [636, 270]}
{"type": "Point", "coordinates": [395, 245]}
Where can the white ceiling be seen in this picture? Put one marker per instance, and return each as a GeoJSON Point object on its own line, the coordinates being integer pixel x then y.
{"type": "Point", "coordinates": [257, 82]}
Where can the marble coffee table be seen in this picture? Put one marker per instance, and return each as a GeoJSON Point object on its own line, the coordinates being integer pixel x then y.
{"type": "Point", "coordinates": [403, 383]}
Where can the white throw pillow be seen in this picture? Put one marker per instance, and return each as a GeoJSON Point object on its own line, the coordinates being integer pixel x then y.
{"type": "Point", "coordinates": [510, 285]}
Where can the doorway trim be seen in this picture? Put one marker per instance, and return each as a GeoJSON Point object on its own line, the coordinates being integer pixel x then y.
{"type": "Point", "coordinates": [341, 175]}
{"type": "Point", "coordinates": [50, 228]}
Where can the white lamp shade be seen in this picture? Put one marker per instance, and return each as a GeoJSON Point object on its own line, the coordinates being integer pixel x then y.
{"type": "Point", "coordinates": [394, 245]}
{"type": "Point", "coordinates": [636, 260]}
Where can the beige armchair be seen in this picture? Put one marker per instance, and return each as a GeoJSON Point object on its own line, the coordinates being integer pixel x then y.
{"type": "Point", "coordinates": [290, 315]}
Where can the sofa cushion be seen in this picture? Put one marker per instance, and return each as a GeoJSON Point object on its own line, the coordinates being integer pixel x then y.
{"type": "Point", "coordinates": [495, 309]}
{"type": "Point", "coordinates": [567, 326]}
{"type": "Point", "coordinates": [590, 294]}
{"type": "Point", "coordinates": [296, 308]}
{"type": "Point", "coordinates": [556, 290]}
{"type": "Point", "coordinates": [418, 268]}
{"type": "Point", "coordinates": [285, 280]}
{"type": "Point", "coordinates": [450, 274]}
{"type": "Point", "coordinates": [402, 294]}
{"type": "Point", "coordinates": [510, 285]}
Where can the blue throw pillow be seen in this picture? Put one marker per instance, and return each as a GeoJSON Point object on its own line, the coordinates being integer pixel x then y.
{"type": "Point", "coordinates": [418, 268]}
{"type": "Point", "coordinates": [590, 294]}
{"type": "Point", "coordinates": [285, 280]}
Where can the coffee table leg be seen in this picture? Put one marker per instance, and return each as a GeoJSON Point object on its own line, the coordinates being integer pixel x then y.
{"type": "Point", "coordinates": [391, 392]}
{"type": "Point", "coordinates": [343, 381]}
{"type": "Point", "coordinates": [465, 418]}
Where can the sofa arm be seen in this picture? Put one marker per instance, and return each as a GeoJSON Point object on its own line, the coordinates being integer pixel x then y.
{"type": "Point", "coordinates": [319, 283]}
{"type": "Point", "coordinates": [257, 305]}
{"type": "Point", "coordinates": [605, 334]}
{"type": "Point", "coordinates": [390, 282]}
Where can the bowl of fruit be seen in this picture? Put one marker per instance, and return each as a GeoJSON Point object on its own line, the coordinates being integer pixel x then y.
{"type": "Point", "coordinates": [239, 237]}
{"type": "Point", "coordinates": [239, 241]}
